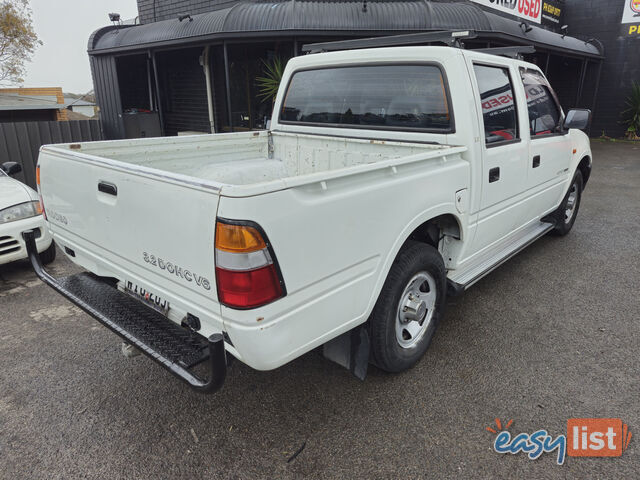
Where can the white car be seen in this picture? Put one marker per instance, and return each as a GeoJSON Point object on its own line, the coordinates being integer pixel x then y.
{"type": "Point", "coordinates": [389, 179]}
{"type": "Point", "coordinates": [20, 211]}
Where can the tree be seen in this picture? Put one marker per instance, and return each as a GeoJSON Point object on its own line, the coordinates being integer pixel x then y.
{"type": "Point", "coordinates": [18, 40]}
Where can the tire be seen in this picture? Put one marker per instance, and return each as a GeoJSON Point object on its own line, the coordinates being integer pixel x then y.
{"type": "Point", "coordinates": [49, 255]}
{"type": "Point", "coordinates": [398, 338]}
{"type": "Point", "coordinates": [567, 212]}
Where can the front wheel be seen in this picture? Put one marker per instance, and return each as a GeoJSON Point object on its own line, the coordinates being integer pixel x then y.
{"type": "Point", "coordinates": [566, 214]}
{"type": "Point", "coordinates": [409, 308]}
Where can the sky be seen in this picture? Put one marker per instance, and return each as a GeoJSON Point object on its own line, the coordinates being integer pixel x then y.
{"type": "Point", "coordinates": [65, 26]}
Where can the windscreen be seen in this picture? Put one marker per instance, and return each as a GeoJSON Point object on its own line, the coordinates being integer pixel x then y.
{"type": "Point", "coordinates": [374, 96]}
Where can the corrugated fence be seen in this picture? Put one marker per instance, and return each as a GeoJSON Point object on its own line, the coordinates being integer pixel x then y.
{"type": "Point", "coordinates": [20, 142]}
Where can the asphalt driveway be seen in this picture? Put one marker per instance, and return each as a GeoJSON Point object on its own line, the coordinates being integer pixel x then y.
{"type": "Point", "coordinates": [551, 335]}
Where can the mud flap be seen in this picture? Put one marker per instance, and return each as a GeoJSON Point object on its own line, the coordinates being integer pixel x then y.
{"type": "Point", "coordinates": [350, 350]}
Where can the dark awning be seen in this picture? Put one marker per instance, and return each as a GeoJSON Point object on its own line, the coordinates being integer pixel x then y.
{"type": "Point", "coordinates": [251, 19]}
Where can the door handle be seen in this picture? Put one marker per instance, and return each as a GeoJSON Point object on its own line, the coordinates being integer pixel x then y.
{"type": "Point", "coordinates": [108, 188]}
{"type": "Point", "coordinates": [536, 161]}
{"type": "Point", "coordinates": [494, 174]}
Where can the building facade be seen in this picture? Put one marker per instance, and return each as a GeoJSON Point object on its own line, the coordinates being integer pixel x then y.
{"type": "Point", "coordinates": [615, 23]}
{"type": "Point", "coordinates": [192, 65]}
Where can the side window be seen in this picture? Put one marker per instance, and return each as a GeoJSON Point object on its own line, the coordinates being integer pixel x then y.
{"type": "Point", "coordinates": [544, 113]}
{"type": "Point", "coordinates": [498, 104]}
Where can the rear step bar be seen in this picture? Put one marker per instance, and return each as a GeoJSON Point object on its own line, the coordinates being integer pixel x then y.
{"type": "Point", "coordinates": [169, 344]}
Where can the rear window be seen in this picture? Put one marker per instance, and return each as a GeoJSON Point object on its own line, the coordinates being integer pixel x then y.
{"type": "Point", "coordinates": [391, 97]}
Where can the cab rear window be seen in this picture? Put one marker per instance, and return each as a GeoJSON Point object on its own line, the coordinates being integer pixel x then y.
{"type": "Point", "coordinates": [387, 97]}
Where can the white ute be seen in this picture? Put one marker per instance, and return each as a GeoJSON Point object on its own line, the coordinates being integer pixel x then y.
{"type": "Point", "coordinates": [389, 178]}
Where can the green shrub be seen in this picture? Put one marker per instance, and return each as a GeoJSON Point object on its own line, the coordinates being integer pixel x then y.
{"type": "Point", "coordinates": [269, 84]}
{"type": "Point", "coordinates": [632, 114]}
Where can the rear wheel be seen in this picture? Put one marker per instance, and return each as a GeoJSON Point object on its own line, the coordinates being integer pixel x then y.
{"type": "Point", "coordinates": [566, 214]}
{"type": "Point", "coordinates": [49, 255]}
{"type": "Point", "coordinates": [409, 308]}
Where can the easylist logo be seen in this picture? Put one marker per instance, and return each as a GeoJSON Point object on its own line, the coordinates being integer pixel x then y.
{"type": "Point", "coordinates": [527, 9]}
{"type": "Point", "coordinates": [586, 437]}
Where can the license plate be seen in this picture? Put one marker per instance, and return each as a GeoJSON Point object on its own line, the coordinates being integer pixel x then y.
{"type": "Point", "coordinates": [151, 299]}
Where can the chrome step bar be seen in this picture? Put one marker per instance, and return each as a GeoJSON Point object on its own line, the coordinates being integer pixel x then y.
{"type": "Point", "coordinates": [497, 255]}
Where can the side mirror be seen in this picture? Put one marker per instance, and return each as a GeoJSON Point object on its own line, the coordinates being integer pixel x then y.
{"type": "Point", "coordinates": [11, 168]}
{"type": "Point", "coordinates": [579, 118]}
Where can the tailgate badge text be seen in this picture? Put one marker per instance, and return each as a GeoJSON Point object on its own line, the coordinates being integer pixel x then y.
{"type": "Point", "coordinates": [176, 270]}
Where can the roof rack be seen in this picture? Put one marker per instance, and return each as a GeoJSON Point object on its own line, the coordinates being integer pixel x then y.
{"type": "Point", "coordinates": [511, 52]}
{"type": "Point", "coordinates": [448, 37]}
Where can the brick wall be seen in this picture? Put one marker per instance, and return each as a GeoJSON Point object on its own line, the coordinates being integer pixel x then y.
{"type": "Point", "coordinates": [157, 10]}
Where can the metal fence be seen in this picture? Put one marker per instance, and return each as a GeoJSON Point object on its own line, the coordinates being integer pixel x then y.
{"type": "Point", "coordinates": [20, 142]}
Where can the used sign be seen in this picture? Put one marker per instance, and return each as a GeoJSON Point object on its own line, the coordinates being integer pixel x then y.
{"type": "Point", "coordinates": [527, 9]}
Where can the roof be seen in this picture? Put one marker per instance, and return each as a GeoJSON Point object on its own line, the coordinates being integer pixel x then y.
{"type": "Point", "coordinates": [77, 102]}
{"type": "Point", "coordinates": [13, 101]}
{"type": "Point", "coordinates": [259, 18]}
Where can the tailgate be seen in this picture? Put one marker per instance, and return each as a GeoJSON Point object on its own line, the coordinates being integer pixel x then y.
{"type": "Point", "coordinates": [136, 224]}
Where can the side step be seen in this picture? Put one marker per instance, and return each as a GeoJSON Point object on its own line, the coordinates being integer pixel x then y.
{"type": "Point", "coordinates": [486, 263]}
{"type": "Point", "coordinates": [172, 346]}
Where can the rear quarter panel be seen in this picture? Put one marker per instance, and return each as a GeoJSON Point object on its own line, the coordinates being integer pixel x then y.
{"type": "Point", "coordinates": [335, 242]}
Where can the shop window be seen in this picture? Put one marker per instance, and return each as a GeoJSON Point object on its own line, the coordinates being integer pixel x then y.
{"type": "Point", "coordinates": [250, 108]}
{"type": "Point", "coordinates": [134, 81]}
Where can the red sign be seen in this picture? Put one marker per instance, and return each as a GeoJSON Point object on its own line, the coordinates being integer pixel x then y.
{"type": "Point", "coordinates": [526, 9]}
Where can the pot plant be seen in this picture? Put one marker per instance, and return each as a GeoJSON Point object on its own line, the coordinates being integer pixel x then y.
{"type": "Point", "coordinates": [269, 83]}
{"type": "Point", "coordinates": [632, 114]}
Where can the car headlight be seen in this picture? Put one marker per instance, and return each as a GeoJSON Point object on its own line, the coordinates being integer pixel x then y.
{"type": "Point", "coordinates": [20, 211]}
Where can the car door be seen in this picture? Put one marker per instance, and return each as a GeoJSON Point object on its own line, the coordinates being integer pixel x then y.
{"type": "Point", "coordinates": [550, 146]}
{"type": "Point", "coordinates": [504, 153]}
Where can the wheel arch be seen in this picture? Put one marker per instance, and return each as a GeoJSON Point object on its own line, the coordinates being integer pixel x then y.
{"type": "Point", "coordinates": [430, 231]}
{"type": "Point", "coordinates": [420, 229]}
{"type": "Point", "coordinates": [585, 169]}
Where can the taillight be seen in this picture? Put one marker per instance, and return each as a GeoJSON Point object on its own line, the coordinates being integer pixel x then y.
{"type": "Point", "coordinates": [44, 213]}
{"type": "Point", "coordinates": [247, 274]}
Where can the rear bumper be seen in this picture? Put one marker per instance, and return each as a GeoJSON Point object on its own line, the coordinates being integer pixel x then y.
{"type": "Point", "coordinates": [173, 347]}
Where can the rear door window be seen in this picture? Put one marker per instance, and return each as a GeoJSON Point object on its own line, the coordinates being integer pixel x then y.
{"type": "Point", "coordinates": [497, 99]}
{"type": "Point", "coordinates": [388, 97]}
{"type": "Point", "coordinates": [544, 111]}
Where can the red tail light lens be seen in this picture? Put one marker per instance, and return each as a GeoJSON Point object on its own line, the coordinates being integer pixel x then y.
{"type": "Point", "coordinates": [248, 289]}
{"type": "Point", "coordinates": [247, 274]}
